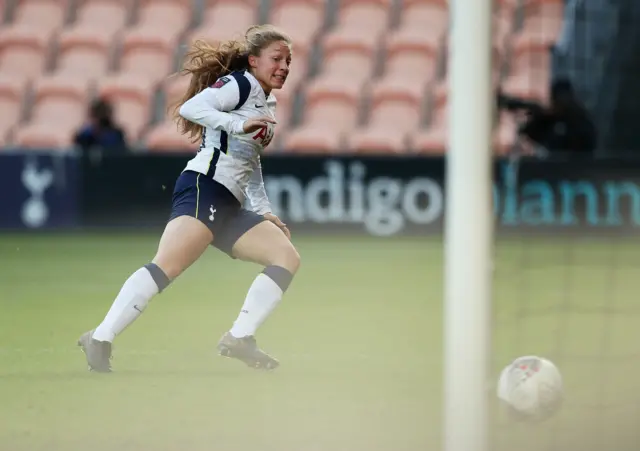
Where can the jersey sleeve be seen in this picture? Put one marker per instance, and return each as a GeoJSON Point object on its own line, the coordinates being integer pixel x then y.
{"type": "Point", "coordinates": [256, 192]}
{"type": "Point", "coordinates": [211, 107]}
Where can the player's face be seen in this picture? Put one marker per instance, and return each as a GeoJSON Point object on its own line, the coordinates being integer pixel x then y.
{"type": "Point", "coordinates": [271, 68]}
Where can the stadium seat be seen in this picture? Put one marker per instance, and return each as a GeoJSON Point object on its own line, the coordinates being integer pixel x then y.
{"type": "Point", "coordinates": [46, 15]}
{"type": "Point", "coordinates": [301, 19]}
{"type": "Point", "coordinates": [505, 134]}
{"type": "Point", "coordinates": [165, 137]}
{"type": "Point", "coordinates": [12, 95]}
{"type": "Point", "coordinates": [60, 101]}
{"type": "Point", "coordinates": [543, 14]}
{"type": "Point", "coordinates": [43, 136]}
{"type": "Point", "coordinates": [541, 27]}
{"type": "Point", "coordinates": [396, 111]}
{"type": "Point", "coordinates": [132, 98]}
{"type": "Point", "coordinates": [348, 53]}
{"type": "Point", "coordinates": [529, 75]}
{"type": "Point", "coordinates": [430, 142]}
{"type": "Point", "coordinates": [364, 16]}
{"type": "Point", "coordinates": [299, 70]}
{"type": "Point", "coordinates": [331, 108]}
{"type": "Point", "coordinates": [428, 16]}
{"type": "Point", "coordinates": [433, 140]}
{"type": "Point", "coordinates": [332, 87]}
{"type": "Point", "coordinates": [398, 90]}
{"type": "Point", "coordinates": [502, 29]}
{"type": "Point", "coordinates": [84, 53]}
{"type": "Point", "coordinates": [225, 19]}
{"type": "Point", "coordinates": [108, 15]}
{"type": "Point", "coordinates": [529, 86]}
{"type": "Point", "coordinates": [411, 53]}
{"type": "Point", "coordinates": [24, 51]}
{"type": "Point", "coordinates": [148, 52]}
{"type": "Point", "coordinates": [313, 138]}
{"type": "Point", "coordinates": [173, 16]}
{"type": "Point", "coordinates": [174, 88]}
{"type": "Point", "coordinates": [284, 98]}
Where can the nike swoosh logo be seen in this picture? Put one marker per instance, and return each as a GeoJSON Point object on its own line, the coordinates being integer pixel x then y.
{"type": "Point", "coordinates": [258, 106]}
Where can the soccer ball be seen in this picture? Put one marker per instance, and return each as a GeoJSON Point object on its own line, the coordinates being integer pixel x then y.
{"type": "Point", "coordinates": [531, 389]}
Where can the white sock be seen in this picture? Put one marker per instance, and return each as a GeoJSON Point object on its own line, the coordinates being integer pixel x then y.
{"type": "Point", "coordinates": [130, 303]}
{"type": "Point", "coordinates": [262, 298]}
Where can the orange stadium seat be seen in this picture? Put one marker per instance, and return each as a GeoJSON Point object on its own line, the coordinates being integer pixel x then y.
{"type": "Point", "coordinates": [365, 16]}
{"type": "Point", "coordinates": [60, 101]}
{"type": "Point", "coordinates": [12, 94]}
{"type": "Point", "coordinates": [132, 98]}
{"type": "Point", "coordinates": [300, 19]}
{"type": "Point", "coordinates": [108, 15]}
{"type": "Point", "coordinates": [396, 111]}
{"type": "Point", "coordinates": [24, 51]}
{"type": "Point", "coordinates": [333, 89]}
{"type": "Point", "coordinates": [331, 109]}
{"type": "Point", "coordinates": [529, 75]}
{"type": "Point", "coordinates": [148, 52]}
{"type": "Point", "coordinates": [533, 86]}
{"type": "Point", "coordinates": [431, 17]}
{"type": "Point", "coordinates": [172, 16]}
{"type": "Point", "coordinates": [502, 29]}
{"type": "Point", "coordinates": [175, 87]}
{"type": "Point", "coordinates": [43, 136]}
{"type": "Point", "coordinates": [299, 70]}
{"type": "Point", "coordinates": [542, 25]}
{"type": "Point", "coordinates": [505, 134]}
{"type": "Point", "coordinates": [225, 19]}
{"type": "Point", "coordinates": [429, 142]}
{"type": "Point", "coordinates": [433, 140]}
{"type": "Point", "coordinates": [165, 137]}
{"type": "Point", "coordinates": [350, 54]}
{"type": "Point", "coordinates": [44, 14]}
{"type": "Point", "coordinates": [410, 53]}
{"type": "Point", "coordinates": [284, 98]}
{"type": "Point", "coordinates": [83, 53]}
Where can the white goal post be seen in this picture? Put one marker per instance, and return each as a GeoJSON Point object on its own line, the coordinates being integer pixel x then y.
{"type": "Point", "coordinates": [468, 228]}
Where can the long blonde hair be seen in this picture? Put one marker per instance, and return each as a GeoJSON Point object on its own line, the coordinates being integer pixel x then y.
{"type": "Point", "coordinates": [206, 64]}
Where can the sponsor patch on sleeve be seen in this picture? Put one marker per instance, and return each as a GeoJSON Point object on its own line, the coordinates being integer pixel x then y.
{"type": "Point", "coordinates": [221, 82]}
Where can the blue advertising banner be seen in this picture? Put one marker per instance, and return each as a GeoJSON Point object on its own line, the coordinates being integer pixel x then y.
{"type": "Point", "coordinates": [39, 191]}
{"type": "Point", "coordinates": [381, 196]}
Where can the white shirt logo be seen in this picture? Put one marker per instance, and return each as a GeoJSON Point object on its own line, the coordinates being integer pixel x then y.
{"type": "Point", "coordinates": [213, 212]}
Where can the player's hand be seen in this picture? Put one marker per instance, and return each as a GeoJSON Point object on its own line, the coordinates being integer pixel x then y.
{"type": "Point", "coordinates": [273, 218]}
{"type": "Point", "coordinates": [251, 125]}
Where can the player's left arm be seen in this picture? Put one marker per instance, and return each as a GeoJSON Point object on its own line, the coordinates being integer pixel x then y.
{"type": "Point", "coordinates": [257, 195]}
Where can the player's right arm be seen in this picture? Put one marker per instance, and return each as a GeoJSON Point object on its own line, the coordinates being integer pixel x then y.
{"type": "Point", "coordinates": [211, 107]}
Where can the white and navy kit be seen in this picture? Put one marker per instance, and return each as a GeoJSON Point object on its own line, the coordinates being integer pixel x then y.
{"type": "Point", "coordinates": [226, 171]}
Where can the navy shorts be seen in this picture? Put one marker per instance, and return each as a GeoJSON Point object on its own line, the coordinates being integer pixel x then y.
{"type": "Point", "coordinates": [203, 198]}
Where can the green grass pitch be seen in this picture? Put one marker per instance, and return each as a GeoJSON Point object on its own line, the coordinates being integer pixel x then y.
{"type": "Point", "coordinates": [359, 336]}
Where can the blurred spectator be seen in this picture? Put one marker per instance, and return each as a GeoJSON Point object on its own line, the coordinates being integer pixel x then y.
{"type": "Point", "coordinates": [101, 131]}
{"type": "Point", "coordinates": [564, 126]}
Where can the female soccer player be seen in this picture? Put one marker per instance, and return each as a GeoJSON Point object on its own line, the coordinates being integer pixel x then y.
{"type": "Point", "coordinates": [230, 107]}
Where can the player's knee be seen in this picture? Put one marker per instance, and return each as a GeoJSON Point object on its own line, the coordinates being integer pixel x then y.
{"type": "Point", "coordinates": [286, 256]}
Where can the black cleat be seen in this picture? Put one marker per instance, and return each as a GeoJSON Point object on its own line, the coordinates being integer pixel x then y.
{"type": "Point", "coordinates": [246, 350]}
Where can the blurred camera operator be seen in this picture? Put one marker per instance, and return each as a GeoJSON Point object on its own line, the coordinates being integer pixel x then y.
{"type": "Point", "coordinates": [101, 131]}
{"type": "Point", "coordinates": [565, 126]}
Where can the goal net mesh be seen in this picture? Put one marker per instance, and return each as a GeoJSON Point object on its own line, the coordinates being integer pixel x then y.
{"type": "Point", "coordinates": [574, 300]}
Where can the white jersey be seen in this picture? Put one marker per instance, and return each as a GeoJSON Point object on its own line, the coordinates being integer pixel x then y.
{"type": "Point", "coordinates": [227, 154]}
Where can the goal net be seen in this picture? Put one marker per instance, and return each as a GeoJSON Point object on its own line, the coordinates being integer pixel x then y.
{"type": "Point", "coordinates": [572, 299]}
